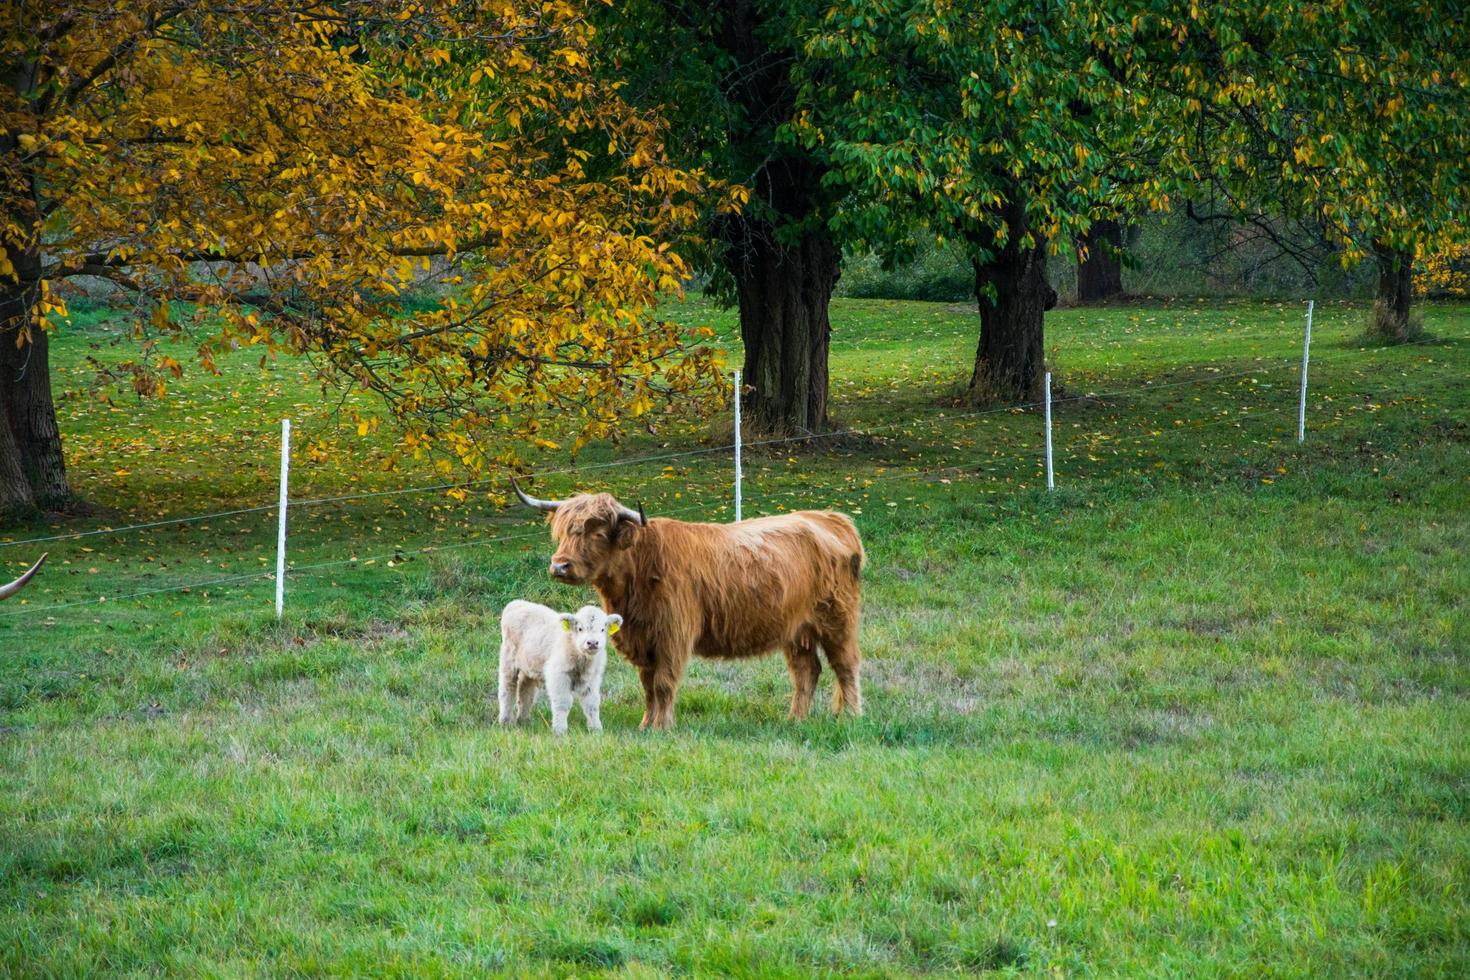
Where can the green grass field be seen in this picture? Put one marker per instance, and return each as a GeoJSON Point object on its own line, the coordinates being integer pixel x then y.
{"type": "Point", "coordinates": [1200, 711]}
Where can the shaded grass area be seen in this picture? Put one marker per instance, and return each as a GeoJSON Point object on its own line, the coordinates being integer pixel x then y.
{"type": "Point", "coordinates": [1201, 711]}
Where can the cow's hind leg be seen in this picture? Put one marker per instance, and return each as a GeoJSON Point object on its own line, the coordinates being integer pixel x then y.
{"type": "Point", "coordinates": [846, 662]}
{"type": "Point", "coordinates": [805, 667]}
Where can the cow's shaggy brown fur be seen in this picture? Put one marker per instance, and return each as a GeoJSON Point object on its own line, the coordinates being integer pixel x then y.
{"type": "Point", "coordinates": [789, 582]}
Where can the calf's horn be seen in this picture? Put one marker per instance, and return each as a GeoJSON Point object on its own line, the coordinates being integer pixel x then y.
{"type": "Point", "coordinates": [535, 502]}
{"type": "Point", "coordinates": [6, 591]}
{"type": "Point", "coordinates": [629, 514]}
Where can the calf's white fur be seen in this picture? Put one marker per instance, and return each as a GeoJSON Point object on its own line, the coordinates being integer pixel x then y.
{"type": "Point", "coordinates": [565, 652]}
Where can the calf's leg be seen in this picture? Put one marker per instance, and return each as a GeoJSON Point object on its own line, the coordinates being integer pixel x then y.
{"type": "Point", "coordinates": [526, 699]}
{"type": "Point", "coordinates": [559, 693]}
{"type": "Point", "coordinates": [591, 701]}
{"type": "Point", "coordinates": [508, 683]}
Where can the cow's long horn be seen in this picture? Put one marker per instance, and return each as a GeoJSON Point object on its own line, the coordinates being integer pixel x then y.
{"type": "Point", "coordinates": [6, 591]}
{"type": "Point", "coordinates": [629, 514]}
{"type": "Point", "coordinates": [535, 502]}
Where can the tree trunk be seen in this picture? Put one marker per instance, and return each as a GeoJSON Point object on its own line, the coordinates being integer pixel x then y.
{"type": "Point", "coordinates": [1013, 294]}
{"type": "Point", "coordinates": [25, 389]}
{"type": "Point", "coordinates": [1395, 292]}
{"type": "Point", "coordinates": [1100, 274]}
{"type": "Point", "coordinates": [16, 496]}
{"type": "Point", "coordinates": [32, 441]}
{"type": "Point", "coordinates": [784, 293]}
{"type": "Point", "coordinates": [778, 250]}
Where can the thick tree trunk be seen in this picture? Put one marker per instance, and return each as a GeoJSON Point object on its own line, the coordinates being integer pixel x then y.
{"type": "Point", "coordinates": [784, 294]}
{"type": "Point", "coordinates": [25, 391]}
{"type": "Point", "coordinates": [778, 250]}
{"type": "Point", "coordinates": [1395, 292]}
{"type": "Point", "coordinates": [31, 443]}
{"type": "Point", "coordinates": [1013, 294]}
{"type": "Point", "coordinates": [16, 496]}
{"type": "Point", "coordinates": [1100, 274]}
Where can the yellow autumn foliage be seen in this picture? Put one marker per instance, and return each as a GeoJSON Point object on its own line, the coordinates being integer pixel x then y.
{"type": "Point", "coordinates": [299, 167]}
{"type": "Point", "coordinates": [1446, 270]}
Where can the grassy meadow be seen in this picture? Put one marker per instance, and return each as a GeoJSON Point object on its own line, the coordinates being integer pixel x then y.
{"type": "Point", "coordinates": [1200, 711]}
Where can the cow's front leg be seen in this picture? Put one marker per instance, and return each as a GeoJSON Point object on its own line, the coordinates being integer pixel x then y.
{"type": "Point", "coordinates": [646, 673]}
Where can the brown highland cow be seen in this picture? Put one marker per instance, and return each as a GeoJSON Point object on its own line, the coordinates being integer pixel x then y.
{"type": "Point", "coordinates": [727, 591]}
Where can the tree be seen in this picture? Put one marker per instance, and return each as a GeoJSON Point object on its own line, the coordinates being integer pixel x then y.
{"type": "Point", "coordinates": [993, 123]}
{"type": "Point", "coordinates": [293, 167]}
{"type": "Point", "coordinates": [1349, 117]}
{"type": "Point", "coordinates": [1017, 125]}
{"type": "Point", "coordinates": [723, 71]}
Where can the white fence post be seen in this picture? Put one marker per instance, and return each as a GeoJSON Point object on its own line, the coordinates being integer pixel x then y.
{"type": "Point", "coordinates": [1301, 416]}
{"type": "Point", "coordinates": [737, 445]}
{"type": "Point", "coordinates": [281, 530]}
{"type": "Point", "coordinates": [1051, 483]}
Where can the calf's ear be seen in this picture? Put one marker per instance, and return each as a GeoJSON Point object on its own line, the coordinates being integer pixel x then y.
{"type": "Point", "coordinates": [614, 623]}
{"type": "Point", "coordinates": [566, 622]}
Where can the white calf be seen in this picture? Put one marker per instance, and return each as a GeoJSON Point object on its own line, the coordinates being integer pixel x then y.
{"type": "Point", "coordinates": [565, 651]}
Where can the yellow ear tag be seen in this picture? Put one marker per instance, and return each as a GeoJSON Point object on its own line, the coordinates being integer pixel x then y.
{"type": "Point", "coordinates": [566, 625]}
{"type": "Point", "coordinates": [613, 628]}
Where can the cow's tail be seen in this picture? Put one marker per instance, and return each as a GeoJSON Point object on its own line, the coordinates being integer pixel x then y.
{"type": "Point", "coordinates": [859, 556]}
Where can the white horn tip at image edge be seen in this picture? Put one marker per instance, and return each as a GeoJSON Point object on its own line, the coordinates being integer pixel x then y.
{"type": "Point", "coordinates": [6, 591]}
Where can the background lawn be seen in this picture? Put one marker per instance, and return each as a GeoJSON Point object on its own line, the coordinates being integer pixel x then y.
{"type": "Point", "coordinates": [1201, 710]}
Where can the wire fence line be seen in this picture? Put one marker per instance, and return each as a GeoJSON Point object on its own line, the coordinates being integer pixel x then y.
{"type": "Point", "coordinates": [315, 569]}
{"type": "Point", "coordinates": [103, 600]}
{"type": "Point", "coordinates": [928, 420]}
{"type": "Point", "coordinates": [1131, 391]}
{"type": "Point", "coordinates": [660, 457]}
{"type": "Point", "coordinates": [991, 465]}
